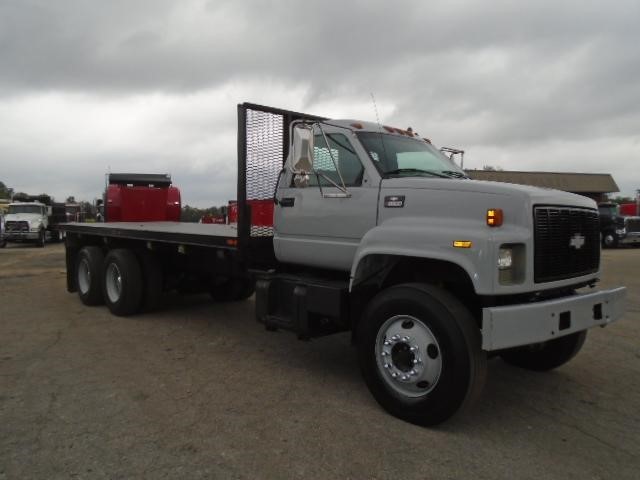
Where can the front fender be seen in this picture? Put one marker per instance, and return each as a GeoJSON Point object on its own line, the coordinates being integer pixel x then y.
{"type": "Point", "coordinates": [432, 238]}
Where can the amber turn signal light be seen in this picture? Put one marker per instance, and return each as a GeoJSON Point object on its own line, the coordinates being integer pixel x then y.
{"type": "Point", "coordinates": [494, 217]}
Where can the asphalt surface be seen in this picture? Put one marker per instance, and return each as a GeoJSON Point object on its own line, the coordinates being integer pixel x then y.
{"type": "Point", "coordinates": [200, 390]}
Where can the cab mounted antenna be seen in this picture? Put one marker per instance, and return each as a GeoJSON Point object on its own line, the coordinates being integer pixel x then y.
{"type": "Point", "coordinates": [375, 108]}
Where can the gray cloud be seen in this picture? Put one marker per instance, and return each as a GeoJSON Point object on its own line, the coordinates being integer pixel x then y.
{"type": "Point", "coordinates": [524, 79]}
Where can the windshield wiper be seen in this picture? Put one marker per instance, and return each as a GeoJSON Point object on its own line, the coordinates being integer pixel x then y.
{"type": "Point", "coordinates": [416, 170]}
{"type": "Point", "coordinates": [454, 174]}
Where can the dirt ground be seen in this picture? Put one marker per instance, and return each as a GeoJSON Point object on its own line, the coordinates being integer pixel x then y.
{"type": "Point", "coordinates": [200, 390]}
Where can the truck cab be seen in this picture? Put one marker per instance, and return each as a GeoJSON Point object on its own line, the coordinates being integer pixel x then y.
{"type": "Point", "coordinates": [617, 229]}
{"type": "Point", "coordinates": [27, 222]}
{"type": "Point", "coordinates": [432, 263]}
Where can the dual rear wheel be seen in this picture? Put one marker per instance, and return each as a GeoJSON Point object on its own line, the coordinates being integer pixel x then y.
{"type": "Point", "coordinates": [124, 281]}
{"type": "Point", "coordinates": [129, 281]}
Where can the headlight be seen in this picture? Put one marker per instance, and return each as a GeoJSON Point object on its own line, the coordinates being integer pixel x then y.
{"type": "Point", "coordinates": [505, 258]}
{"type": "Point", "coordinates": [35, 225]}
{"type": "Point", "coordinates": [511, 264]}
{"type": "Point", "coordinates": [621, 231]}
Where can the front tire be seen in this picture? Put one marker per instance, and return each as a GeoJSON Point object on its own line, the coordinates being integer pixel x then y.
{"type": "Point", "coordinates": [610, 240]}
{"type": "Point", "coordinates": [420, 353]}
{"type": "Point", "coordinates": [122, 282]}
{"type": "Point", "coordinates": [42, 238]}
{"type": "Point", "coordinates": [547, 355]}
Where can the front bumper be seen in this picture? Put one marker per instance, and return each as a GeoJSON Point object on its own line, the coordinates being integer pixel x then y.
{"type": "Point", "coordinates": [21, 236]}
{"type": "Point", "coordinates": [630, 238]}
{"type": "Point", "coordinates": [523, 324]}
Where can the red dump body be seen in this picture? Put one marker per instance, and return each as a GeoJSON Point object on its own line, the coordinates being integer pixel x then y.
{"type": "Point", "coordinates": [142, 198]}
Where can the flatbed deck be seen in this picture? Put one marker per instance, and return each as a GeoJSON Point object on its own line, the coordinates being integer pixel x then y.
{"type": "Point", "coordinates": [183, 233]}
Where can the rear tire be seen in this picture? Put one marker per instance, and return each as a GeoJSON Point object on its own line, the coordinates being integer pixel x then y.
{"type": "Point", "coordinates": [547, 355]}
{"type": "Point", "coordinates": [57, 236]}
{"type": "Point", "coordinates": [122, 282]}
{"type": "Point", "coordinates": [420, 353]}
{"type": "Point", "coordinates": [89, 275]}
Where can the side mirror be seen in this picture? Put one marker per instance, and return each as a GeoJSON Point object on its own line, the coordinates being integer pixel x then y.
{"type": "Point", "coordinates": [302, 159]}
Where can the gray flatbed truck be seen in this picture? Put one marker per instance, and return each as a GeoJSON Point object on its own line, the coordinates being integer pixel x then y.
{"type": "Point", "coordinates": [375, 232]}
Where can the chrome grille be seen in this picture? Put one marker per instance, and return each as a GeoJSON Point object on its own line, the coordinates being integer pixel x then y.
{"type": "Point", "coordinates": [13, 226]}
{"type": "Point", "coordinates": [633, 225]}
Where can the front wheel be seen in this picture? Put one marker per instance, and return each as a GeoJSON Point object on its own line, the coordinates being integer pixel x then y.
{"type": "Point", "coordinates": [610, 240]}
{"type": "Point", "coordinates": [547, 355]}
{"type": "Point", "coordinates": [420, 353]}
{"type": "Point", "coordinates": [42, 238]}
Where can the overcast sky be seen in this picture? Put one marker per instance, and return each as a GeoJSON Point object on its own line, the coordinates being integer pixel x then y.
{"type": "Point", "coordinates": [91, 86]}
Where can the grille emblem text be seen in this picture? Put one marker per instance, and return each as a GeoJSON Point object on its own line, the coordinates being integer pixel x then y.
{"type": "Point", "coordinates": [577, 241]}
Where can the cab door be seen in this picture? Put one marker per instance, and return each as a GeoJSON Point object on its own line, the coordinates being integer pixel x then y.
{"type": "Point", "coordinates": [321, 224]}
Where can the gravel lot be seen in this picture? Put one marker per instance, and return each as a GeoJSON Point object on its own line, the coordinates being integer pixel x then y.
{"type": "Point", "coordinates": [200, 390]}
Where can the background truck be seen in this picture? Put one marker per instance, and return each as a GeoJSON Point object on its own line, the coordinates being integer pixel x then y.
{"type": "Point", "coordinates": [32, 219]}
{"type": "Point", "coordinates": [134, 197]}
{"type": "Point", "coordinates": [617, 229]}
{"type": "Point", "coordinates": [351, 226]}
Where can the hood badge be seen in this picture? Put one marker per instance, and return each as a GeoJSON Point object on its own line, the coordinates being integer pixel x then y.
{"type": "Point", "coordinates": [394, 201]}
{"type": "Point", "coordinates": [577, 241]}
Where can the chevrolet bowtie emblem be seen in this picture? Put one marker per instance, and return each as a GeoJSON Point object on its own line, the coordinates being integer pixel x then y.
{"type": "Point", "coordinates": [577, 241]}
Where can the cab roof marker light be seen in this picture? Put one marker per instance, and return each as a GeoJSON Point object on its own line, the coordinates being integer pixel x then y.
{"type": "Point", "coordinates": [495, 217]}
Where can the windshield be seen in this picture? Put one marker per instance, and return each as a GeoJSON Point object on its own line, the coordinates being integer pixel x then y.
{"type": "Point", "coordinates": [25, 209]}
{"type": "Point", "coordinates": [394, 155]}
{"type": "Point", "coordinates": [608, 210]}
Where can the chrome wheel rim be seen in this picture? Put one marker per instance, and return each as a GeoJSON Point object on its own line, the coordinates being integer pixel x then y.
{"type": "Point", "coordinates": [408, 356]}
{"type": "Point", "coordinates": [113, 282]}
{"type": "Point", "coordinates": [84, 276]}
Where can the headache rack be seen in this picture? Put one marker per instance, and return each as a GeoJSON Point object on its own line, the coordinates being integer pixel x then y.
{"type": "Point", "coordinates": [263, 147]}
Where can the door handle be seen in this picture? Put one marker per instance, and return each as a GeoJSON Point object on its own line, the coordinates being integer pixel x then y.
{"type": "Point", "coordinates": [287, 201]}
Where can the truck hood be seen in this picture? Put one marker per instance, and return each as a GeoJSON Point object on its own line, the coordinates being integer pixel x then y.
{"type": "Point", "coordinates": [23, 217]}
{"type": "Point", "coordinates": [527, 194]}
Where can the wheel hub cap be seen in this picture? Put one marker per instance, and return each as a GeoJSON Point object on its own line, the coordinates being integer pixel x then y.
{"type": "Point", "coordinates": [408, 356]}
{"type": "Point", "coordinates": [113, 280]}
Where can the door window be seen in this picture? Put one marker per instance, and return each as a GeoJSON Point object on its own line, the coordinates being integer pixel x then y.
{"type": "Point", "coordinates": [338, 155]}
